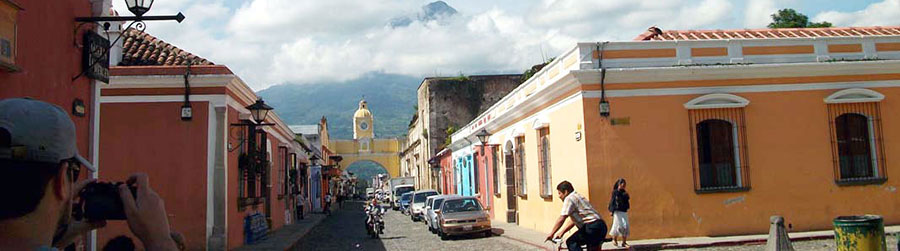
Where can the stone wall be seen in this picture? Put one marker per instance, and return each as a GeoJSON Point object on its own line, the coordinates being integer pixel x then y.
{"type": "Point", "coordinates": [457, 101]}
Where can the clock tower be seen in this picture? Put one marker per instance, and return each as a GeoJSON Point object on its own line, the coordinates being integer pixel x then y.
{"type": "Point", "coordinates": [362, 122]}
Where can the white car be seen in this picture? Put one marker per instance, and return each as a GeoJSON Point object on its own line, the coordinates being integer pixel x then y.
{"type": "Point", "coordinates": [433, 209]}
{"type": "Point", "coordinates": [417, 204]}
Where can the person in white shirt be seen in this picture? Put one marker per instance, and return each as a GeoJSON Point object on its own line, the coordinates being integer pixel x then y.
{"type": "Point", "coordinates": [591, 228]}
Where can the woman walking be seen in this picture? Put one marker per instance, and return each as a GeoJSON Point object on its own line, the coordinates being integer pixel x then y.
{"type": "Point", "coordinates": [618, 209]}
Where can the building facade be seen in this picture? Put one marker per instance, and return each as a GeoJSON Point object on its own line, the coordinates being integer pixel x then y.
{"type": "Point", "coordinates": [33, 31]}
{"type": "Point", "coordinates": [704, 126]}
{"type": "Point", "coordinates": [203, 164]}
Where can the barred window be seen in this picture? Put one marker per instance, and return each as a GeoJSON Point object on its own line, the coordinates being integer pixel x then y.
{"type": "Point", "coordinates": [856, 137]}
{"type": "Point", "coordinates": [544, 161]}
{"type": "Point", "coordinates": [494, 164]}
{"type": "Point", "coordinates": [719, 143]}
{"type": "Point", "coordinates": [520, 166]}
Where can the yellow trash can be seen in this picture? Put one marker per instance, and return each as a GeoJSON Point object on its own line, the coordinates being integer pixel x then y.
{"type": "Point", "coordinates": [859, 233]}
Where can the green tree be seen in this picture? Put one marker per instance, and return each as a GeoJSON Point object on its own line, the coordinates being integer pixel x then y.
{"type": "Point", "coordinates": [790, 18]}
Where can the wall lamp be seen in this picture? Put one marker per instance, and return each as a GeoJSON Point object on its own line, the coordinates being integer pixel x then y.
{"type": "Point", "coordinates": [99, 47]}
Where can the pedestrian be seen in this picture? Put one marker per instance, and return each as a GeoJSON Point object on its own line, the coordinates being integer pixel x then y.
{"type": "Point", "coordinates": [300, 201]}
{"type": "Point", "coordinates": [340, 200]}
{"type": "Point", "coordinates": [40, 163]}
{"type": "Point", "coordinates": [618, 209]}
{"type": "Point", "coordinates": [327, 209]}
{"type": "Point", "coordinates": [591, 227]}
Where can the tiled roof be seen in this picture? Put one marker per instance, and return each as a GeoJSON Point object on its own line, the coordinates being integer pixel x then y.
{"type": "Point", "coordinates": [140, 48]}
{"type": "Point", "coordinates": [670, 35]}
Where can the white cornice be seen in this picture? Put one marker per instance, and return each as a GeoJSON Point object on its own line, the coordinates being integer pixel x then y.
{"type": "Point", "coordinates": [723, 72]}
{"type": "Point", "coordinates": [166, 81]}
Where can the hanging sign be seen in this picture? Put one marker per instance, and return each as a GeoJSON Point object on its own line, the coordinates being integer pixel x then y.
{"type": "Point", "coordinates": [96, 57]}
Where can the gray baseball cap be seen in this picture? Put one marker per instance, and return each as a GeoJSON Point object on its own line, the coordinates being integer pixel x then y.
{"type": "Point", "coordinates": [38, 131]}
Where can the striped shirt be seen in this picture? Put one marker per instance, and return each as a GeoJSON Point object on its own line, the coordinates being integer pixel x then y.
{"type": "Point", "coordinates": [579, 210]}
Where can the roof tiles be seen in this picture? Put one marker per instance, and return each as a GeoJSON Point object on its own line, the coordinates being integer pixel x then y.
{"type": "Point", "coordinates": [671, 35]}
{"type": "Point", "coordinates": [140, 48]}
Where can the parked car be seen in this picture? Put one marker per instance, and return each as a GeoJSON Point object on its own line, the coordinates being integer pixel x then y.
{"type": "Point", "coordinates": [463, 215]}
{"type": "Point", "coordinates": [404, 202]}
{"type": "Point", "coordinates": [433, 209]}
{"type": "Point", "coordinates": [398, 191]}
{"type": "Point", "coordinates": [417, 205]}
{"type": "Point", "coordinates": [370, 193]}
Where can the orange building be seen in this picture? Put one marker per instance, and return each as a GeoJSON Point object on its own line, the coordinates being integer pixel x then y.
{"type": "Point", "coordinates": [714, 131]}
{"type": "Point", "coordinates": [201, 164]}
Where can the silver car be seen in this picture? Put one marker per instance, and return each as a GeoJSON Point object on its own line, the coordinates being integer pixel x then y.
{"type": "Point", "coordinates": [433, 209]}
{"type": "Point", "coordinates": [417, 204]}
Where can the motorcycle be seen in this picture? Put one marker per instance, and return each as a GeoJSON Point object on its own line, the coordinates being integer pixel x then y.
{"type": "Point", "coordinates": [374, 221]}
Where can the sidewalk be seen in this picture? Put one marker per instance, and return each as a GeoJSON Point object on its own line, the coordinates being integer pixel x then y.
{"type": "Point", "coordinates": [535, 238]}
{"type": "Point", "coordinates": [286, 237]}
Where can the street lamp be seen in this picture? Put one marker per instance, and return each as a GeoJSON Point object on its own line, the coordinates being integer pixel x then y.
{"type": "Point", "coordinates": [139, 7]}
{"type": "Point", "coordinates": [259, 110]}
{"type": "Point", "coordinates": [483, 136]}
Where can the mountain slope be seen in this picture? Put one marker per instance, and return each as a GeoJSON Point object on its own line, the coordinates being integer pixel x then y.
{"type": "Point", "coordinates": [391, 99]}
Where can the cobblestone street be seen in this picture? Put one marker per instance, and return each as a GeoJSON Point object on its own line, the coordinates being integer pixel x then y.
{"type": "Point", "coordinates": [344, 230]}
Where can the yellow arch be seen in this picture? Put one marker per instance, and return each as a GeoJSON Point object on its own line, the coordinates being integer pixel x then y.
{"type": "Point", "coordinates": [385, 152]}
{"type": "Point", "coordinates": [384, 161]}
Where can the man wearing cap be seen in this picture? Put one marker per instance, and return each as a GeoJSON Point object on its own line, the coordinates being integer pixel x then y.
{"type": "Point", "coordinates": [40, 163]}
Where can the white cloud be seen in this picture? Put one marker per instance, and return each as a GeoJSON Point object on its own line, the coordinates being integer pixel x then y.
{"type": "Point", "coordinates": [881, 13]}
{"type": "Point", "coordinates": [758, 13]}
{"type": "Point", "coordinates": [270, 42]}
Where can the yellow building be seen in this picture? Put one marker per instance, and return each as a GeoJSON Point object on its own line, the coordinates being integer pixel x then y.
{"type": "Point", "coordinates": [705, 126]}
{"type": "Point", "coordinates": [365, 147]}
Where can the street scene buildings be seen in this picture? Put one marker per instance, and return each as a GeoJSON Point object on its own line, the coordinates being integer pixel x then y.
{"type": "Point", "coordinates": [730, 138]}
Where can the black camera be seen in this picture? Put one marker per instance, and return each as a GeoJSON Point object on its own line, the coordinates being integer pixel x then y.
{"type": "Point", "coordinates": [101, 201]}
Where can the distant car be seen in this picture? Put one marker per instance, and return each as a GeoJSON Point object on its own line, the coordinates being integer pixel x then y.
{"type": "Point", "coordinates": [398, 191]}
{"type": "Point", "coordinates": [370, 193]}
{"type": "Point", "coordinates": [417, 205]}
{"type": "Point", "coordinates": [463, 215]}
{"type": "Point", "coordinates": [433, 209]}
{"type": "Point", "coordinates": [404, 201]}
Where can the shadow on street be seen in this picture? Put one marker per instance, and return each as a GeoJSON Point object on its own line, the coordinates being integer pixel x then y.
{"type": "Point", "coordinates": [343, 230]}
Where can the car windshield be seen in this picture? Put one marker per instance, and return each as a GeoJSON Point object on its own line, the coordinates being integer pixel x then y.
{"type": "Point", "coordinates": [461, 205]}
{"type": "Point", "coordinates": [436, 204]}
{"type": "Point", "coordinates": [402, 190]}
{"type": "Point", "coordinates": [420, 197]}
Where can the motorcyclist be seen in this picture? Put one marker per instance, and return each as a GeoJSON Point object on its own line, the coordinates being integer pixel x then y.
{"type": "Point", "coordinates": [373, 214]}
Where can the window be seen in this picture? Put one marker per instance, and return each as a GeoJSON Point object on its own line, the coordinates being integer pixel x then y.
{"type": "Point", "coordinates": [8, 29]}
{"type": "Point", "coordinates": [716, 151]}
{"type": "Point", "coordinates": [283, 172]}
{"type": "Point", "coordinates": [253, 168]}
{"type": "Point", "coordinates": [544, 161]}
{"type": "Point", "coordinates": [494, 164]}
{"type": "Point", "coordinates": [719, 143]}
{"type": "Point", "coordinates": [474, 163]}
{"type": "Point", "coordinates": [856, 135]}
{"type": "Point", "coordinates": [520, 166]}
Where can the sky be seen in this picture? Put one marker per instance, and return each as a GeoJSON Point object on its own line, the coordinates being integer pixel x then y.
{"type": "Point", "coordinates": [271, 42]}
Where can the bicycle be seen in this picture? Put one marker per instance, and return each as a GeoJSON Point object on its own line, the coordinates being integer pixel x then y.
{"type": "Point", "coordinates": [561, 245]}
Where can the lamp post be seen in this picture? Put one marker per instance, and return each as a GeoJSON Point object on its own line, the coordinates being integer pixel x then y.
{"type": "Point", "coordinates": [483, 136]}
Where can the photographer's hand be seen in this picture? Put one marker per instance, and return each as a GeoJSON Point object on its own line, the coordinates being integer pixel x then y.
{"type": "Point", "coordinates": [78, 228]}
{"type": "Point", "coordinates": [147, 215]}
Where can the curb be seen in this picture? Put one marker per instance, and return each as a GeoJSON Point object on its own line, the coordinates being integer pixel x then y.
{"type": "Point", "coordinates": [694, 245]}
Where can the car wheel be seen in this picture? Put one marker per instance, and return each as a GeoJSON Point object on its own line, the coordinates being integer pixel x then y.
{"type": "Point", "coordinates": [488, 234]}
{"type": "Point", "coordinates": [412, 218]}
{"type": "Point", "coordinates": [443, 236]}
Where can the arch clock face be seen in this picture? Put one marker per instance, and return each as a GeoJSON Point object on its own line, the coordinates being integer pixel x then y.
{"type": "Point", "coordinates": [363, 125]}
